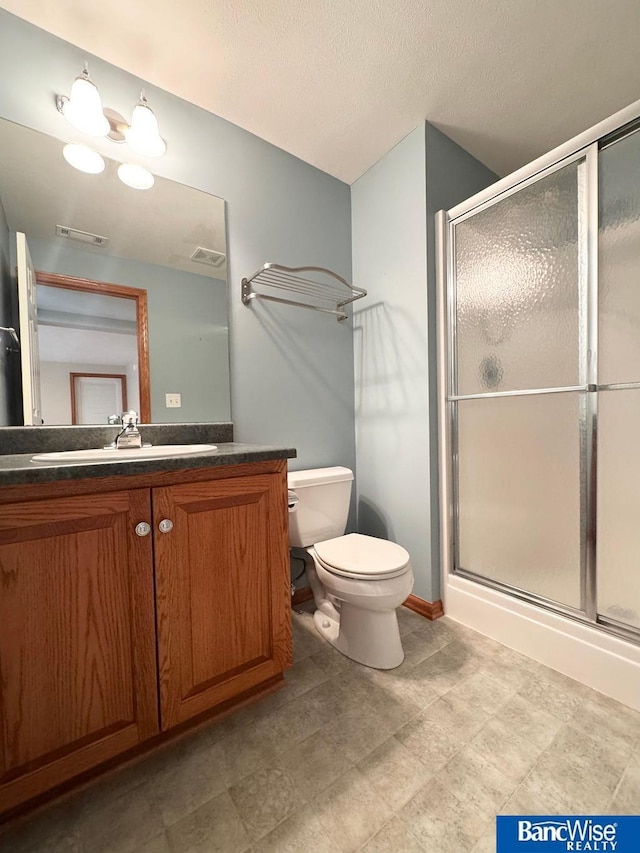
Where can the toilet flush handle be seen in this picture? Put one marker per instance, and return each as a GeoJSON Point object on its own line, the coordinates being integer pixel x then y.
{"type": "Point", "coordinates": [292, 500]}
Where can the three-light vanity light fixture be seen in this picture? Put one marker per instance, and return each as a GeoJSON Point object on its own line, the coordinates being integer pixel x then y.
{"type": "Point", "coordinates": [84, 110]}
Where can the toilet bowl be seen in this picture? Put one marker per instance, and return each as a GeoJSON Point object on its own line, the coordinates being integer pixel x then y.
{"type": "Point", "coordinates": [358, 581]}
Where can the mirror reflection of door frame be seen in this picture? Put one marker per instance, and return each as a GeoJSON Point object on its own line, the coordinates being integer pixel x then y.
{"type": "Point", "coordinates": [75, 403]}
{"type": "Point", "coordinates": [142, 322]}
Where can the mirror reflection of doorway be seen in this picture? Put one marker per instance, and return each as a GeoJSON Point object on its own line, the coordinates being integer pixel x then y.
{"type": "Point", "coordinates": [97, 396]}
{"type": "Point", "coordinates": [93, 340]}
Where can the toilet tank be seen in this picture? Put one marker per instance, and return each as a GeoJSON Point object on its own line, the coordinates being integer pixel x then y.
{"type": "Point", "coordinates": [322, 506]}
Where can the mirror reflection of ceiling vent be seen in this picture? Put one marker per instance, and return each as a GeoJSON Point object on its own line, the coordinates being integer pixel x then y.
{"type": "Point", "coordinates": [208, 256]}
{"type": "Point", "coordinates": [81, 236]}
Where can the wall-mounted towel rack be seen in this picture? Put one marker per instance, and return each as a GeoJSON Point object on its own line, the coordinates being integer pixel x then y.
{"type": "Point", "coordinates": [317, 288]}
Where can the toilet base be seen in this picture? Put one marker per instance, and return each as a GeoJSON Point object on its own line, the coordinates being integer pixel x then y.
{"type": "Point", "coordinates": [370, 637]}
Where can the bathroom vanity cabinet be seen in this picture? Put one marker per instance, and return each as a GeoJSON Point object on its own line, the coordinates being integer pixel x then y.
{"type": "Point", "coordinates": [131, 606]}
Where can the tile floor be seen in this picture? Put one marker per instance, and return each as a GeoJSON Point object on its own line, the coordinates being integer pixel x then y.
{"type": "Point", "coordinates": [352, 759]}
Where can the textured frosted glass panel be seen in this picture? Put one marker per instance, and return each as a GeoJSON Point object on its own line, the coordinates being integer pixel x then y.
{"type": "Point", "coordinates": [618, 542]}
{"type": "Point", "coordinates": [517, 289]}
{"type": "Point", "coordinates": [519, 492]}
{"type": "Point", "coordinates": [619, 267]}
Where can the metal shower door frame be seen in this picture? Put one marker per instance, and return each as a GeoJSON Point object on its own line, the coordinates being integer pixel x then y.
{"type": "Point", "coordinates": [584, 147]}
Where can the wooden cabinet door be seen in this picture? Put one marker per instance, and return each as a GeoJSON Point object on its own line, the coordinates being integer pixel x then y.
{"type": "Point", "coordinates": [222, 586]}
{"type": "Point", "coordinates": [77, 637]}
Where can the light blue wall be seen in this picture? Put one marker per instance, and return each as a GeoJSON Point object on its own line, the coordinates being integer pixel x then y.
{"type": "Point", "coordinates": [188, 353]}
{"type": "Point", "coordinates": [389, 224]}
{"type": "Point", "coordinates": [393, 207]}
{"type": "Point", "coordinates": [452, 175]}
{"type": "Point", "coordinates": [291, 370]}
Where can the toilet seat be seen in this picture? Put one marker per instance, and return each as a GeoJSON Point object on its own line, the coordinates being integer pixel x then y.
{"type": "Point", "coordinates": [362, 557]}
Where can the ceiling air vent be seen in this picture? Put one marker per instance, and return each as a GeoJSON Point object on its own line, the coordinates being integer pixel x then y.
{"type": "Point", "coordinates": [81, 236]}
{"type": "Point", "coordinates": [208, 256]}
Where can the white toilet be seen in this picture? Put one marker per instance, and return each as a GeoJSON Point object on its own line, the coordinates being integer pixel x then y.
{"type": "Point", "coordinates": [358, 582]}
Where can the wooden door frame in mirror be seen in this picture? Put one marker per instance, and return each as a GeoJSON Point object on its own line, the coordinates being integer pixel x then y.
{"type": "Point", "coordinates": [142, 322]}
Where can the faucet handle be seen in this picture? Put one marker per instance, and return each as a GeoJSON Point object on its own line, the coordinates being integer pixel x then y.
{"type": "Point", "coordinates": [130, 418]}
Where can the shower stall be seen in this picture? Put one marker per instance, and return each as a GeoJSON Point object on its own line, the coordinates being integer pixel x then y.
{"type": "Point", "coordinates": [539, 392]}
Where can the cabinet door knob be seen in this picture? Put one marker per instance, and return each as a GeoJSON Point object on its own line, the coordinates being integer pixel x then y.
{"type": "Point", "coordinates": [143, 529]}
{"type": "Point", "coordinates": [165, 526]}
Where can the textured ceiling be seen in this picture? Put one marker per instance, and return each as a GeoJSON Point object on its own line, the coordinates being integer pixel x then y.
{"type": "Point", "coordinates": [339, 83]}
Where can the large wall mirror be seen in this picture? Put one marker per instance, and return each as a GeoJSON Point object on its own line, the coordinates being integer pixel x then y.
{"type": "Point", "coordinates": [130, 292]}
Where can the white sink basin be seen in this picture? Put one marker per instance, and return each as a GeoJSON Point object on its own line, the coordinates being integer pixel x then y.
{"type": "Point", "coordinates": [108, 454]}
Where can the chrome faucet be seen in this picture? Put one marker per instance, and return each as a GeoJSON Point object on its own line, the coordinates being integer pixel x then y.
{"type": "Point", "coordinates": [129, 436]}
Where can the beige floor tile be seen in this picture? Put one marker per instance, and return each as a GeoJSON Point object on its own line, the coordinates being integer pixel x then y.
{"type": "Point", "coordinates": [290, 723]}
{"type": "Point", "coordinates": [551, 696]}
{"type": "Point", "coordinates": [482, 690]}
{"type": "Point", "coordinates": [314, 764]}
{"type": "Point", "coordinates": [430, 742]}
{"type": "Point", "coordinates": [303, 676]}
{"type": "Point", "coordinates": [394, 773]}
{"type": "Point", "coordinates": [605, 719]}
{"type": "Point", "coordinates": [306, 639]}
{"type": "Point", "coordinates": [159, 844]}
{"type": "Point", "coordinates": [538, 794]}
{"type": "Point", "coordinates": [404, 688]}
{"type": "Point", "coordinates": [435, 635]}
{"type": "Point", "coordinates": [186, 780]}
{"type": "Point", "coordinates": [120, 825]}
{"type": "Point", "coordinates": [478, 644]}
{"type": "Point", "coordinates": [534, 723]}
{"type": "Point", "coordinates": [239, 754]}
{"type": "Point", "coordinates": [454, 714]}
{"type": "Point", "coordinates": [331, 661]}
{"type": "Point", "coordinates": [416, 648]}
{"type": "Point", "coordinates": [357, 733]}
{"type": "Point", "coordinates": [441, 822]}
{"type": "Point", "coordinates": [487, 842]}
{"type": "Point", "coordinates": [264, 799]}
{"type": "Point", "coordinates": [215, 827]}
{"type": "Point", "coordinates": [48, 828]}
{"type": "Point", "coordinates": [627, 794]}
{"type": "Point", "coordinates": [394, 837]}
{"type": "Point", "coordinates": [396, 711]}
{"type": "Point", "coordinates": [504, 746]}
{"type": "Point", "coordinates": [477, 781]}
{"type": "Point", "coordinates": [577, 747]}
{"type": "Point", "coordinates": [513, 675]}
{"type": "Point", "coordinates": [446, 667]}
{"type": "Point", "coordinates": [351, 811]}
{"type": "Point", "coordinates": [584, 789]}
{"type": "Point", "coordinates": [409, 621]}
{"type": "Point", "coordinates": [299, 833]}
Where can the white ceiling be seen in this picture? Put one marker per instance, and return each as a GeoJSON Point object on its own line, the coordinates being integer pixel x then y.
{"type": "Point", "coordinates": [339, 83]}
{"type": "Point", "coordinates": [83, 346]}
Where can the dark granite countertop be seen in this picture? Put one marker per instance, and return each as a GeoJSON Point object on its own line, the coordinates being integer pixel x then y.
{"type": "Point", "coordinates": [18, 469]}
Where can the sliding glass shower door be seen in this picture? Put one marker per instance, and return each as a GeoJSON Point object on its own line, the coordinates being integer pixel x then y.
{"type": "Point", "coordinates": [543, 386]}
{"type": "Point", "coordinates": [518, 376]}
{"type": "Point", "coordinates": [618, 529]}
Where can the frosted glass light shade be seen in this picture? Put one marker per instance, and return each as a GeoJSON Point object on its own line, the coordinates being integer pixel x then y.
{"type": "Point", "coordinates": [83, 109]}
{"type": "Point", "coordinates": [143, 136]}
{"type": "Point", "coordinates": [135, 176]}
{"type": "Point", "coordinates": [83, 158]}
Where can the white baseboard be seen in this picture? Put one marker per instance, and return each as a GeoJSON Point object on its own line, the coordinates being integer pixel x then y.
{"type": "Point", "coordinates": [600, 660]}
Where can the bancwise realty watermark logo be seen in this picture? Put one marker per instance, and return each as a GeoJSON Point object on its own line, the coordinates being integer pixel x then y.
{"type": "Point", "coordinates": [517, 834]}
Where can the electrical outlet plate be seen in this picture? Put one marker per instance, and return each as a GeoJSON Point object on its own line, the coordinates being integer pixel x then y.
{"type": "Point", "coordinates": [173, 401]}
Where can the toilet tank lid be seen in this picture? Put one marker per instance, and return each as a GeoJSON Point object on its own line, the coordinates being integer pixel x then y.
{"type": "Point", "coordinates": [317, 476]}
